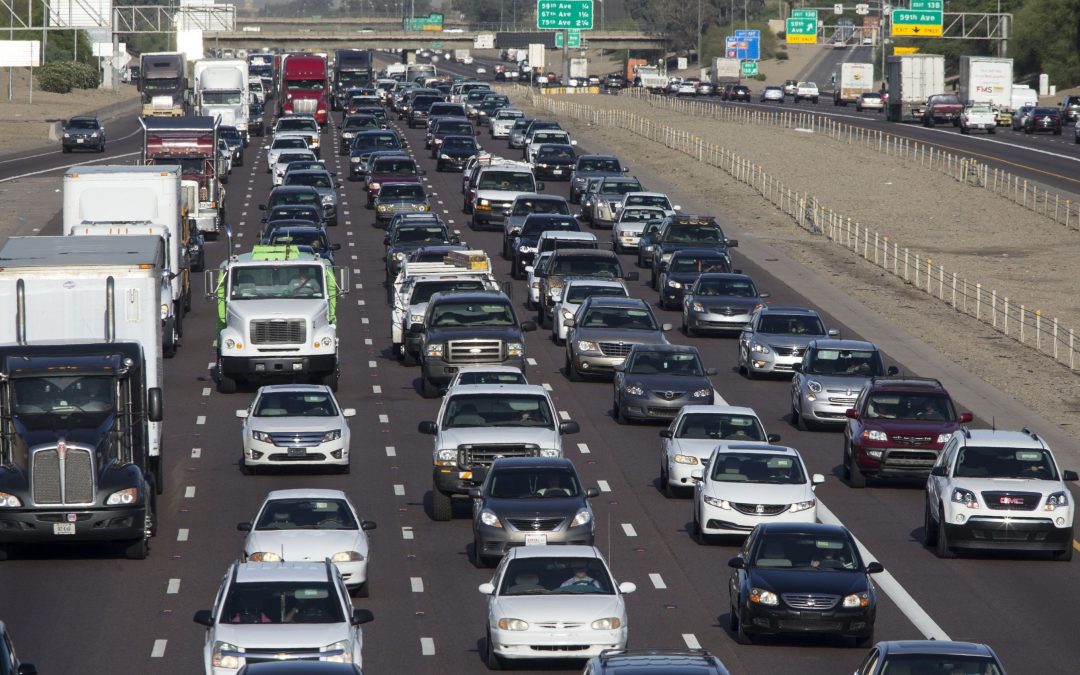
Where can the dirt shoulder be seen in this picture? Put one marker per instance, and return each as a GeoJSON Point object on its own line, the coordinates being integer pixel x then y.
{"type": "Point", "coordinates": [918, 205]}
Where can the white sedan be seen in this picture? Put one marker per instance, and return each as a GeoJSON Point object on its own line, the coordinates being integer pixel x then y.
{"type": "Point", "coordinates": [311, 525]}
{"type": "Point", "coordinates": [574, 293]}
{"type": "Point", "coordinates": [553, 602]}
{"type": "Point", "coordinates": [630, 224]}
{"type": "Point", "coordinates": [284, 144]}
{"type": "Point", "coordinates": [295, 425]}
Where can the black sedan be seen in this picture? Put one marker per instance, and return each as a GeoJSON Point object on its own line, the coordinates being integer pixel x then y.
{"type": "Point", "coordinates": [83, 133]}
{"type": "Point", "coordinates": [454, 151]}
{"type": "Point", "coordinates": [683, 269]}
{"type": "Point", "coordinates": [523, 245]}
{"type": "Point", "coordinates": [1043, 119]}
{"type": "Point", "coordinates": [806, 578]}
{"type": "Point", "coordinates": [554, 161]}
{"type": "Point", "coordinates": [931, 656]}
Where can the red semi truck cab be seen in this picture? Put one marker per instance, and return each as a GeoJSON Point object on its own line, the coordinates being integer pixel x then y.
{"type": "Point", "coordinates": [191, 143]}
{"type": "Point", "coordinates": [305, 86]}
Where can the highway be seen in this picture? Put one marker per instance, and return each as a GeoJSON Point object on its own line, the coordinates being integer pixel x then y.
{"type": "Point", "coordinates": [80, 611]}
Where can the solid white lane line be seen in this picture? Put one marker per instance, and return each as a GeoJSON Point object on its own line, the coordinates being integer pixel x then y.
{"type": "Point", "coordinates": [201, 419]}
{"type": "Point", "coordinates": [427, 646]}
{"type": "Point", "coordinates": [159, 649]}
{"type": "Point", "coordinates": [399, 490]}
{"type": "Point", "coordinates": [691, 641]}
{"type": "Point", "coordinates": [196, 453]}
{"type": "Point", "coordinates": [603, 485]}
{"type": "Point", "coordinates": [391, 451]}
{"type": "Point", "coordinates": [384, 419]}
{"type": "Point", "coordinates": [173, 587]}
{"type": "Point", "coordinates": [582, 448]}
{"type": "Point", "coordinates": [406, 533]}
{"type": "Point", "coordinates": [376, 389]}
{"type": "Point", "coordinates": [629, 530]}
{"type": "Point", "coordinates": [717, 398]}
{"type": "Point", "coordinates": [182, 534]}
{"type": "Point", "coordinates": [189, 492]}
{"type": "Point", "coordinates": [417, 584]}
{"type": "Point", "coordinates": [657, 581]}
{"type": "Point", "coordinates": [891, 587]}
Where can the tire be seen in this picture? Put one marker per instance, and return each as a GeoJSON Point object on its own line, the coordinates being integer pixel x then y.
{"type": "Point", "coordinates": [571, 373]}
{"type": "Point", "coordinates": [858, 478]}
{"type": "Point", "coordinates": [742, 637]}
{"type": "Point", "coordinates": [964, 130]}
{"type": "Point", "coordinates": [616, 412]}
{"type": "Point", "coordinates": [159, 475]}
{"type": "Point", "coordinates": [991, 130]}
{"type": "Point", "coordinates": [864, 642]}
{"type": "Point", "coordinates": [225, 384]}
{"type": "Point", "coordinates": [66, 150]}
{"type": "Point", "coordinates": [492, 660]}
{"type": "Point", "coordinates": [427, 388]}
{"type": "Point", "coordinates": [543, 319]}
{"type": "Point", "coordinates": [733, 619]}
{"type": "Point", "coordinates": [800, 421]}
{"type": "Point", "coordinates": [361, 591]}
{"type": "Point", "coordinates": [169, 348]}
{"type": "Point", "coordinates": [140, 548]}
{"type": "Point", "coordinates": [331, 380]}
{"type": "Point", "coordinates": [442, 506]}
{"type": "Point", "coordinates": [244, 468]}
{"type": "Point", "coordinates": [1064, 555]}
{"type": "Point", "coordinates": [930, 528]}
{"type": "Point", "coordinates": [942, 548]}
{"type": "Point", "coordinates": [478, 560]}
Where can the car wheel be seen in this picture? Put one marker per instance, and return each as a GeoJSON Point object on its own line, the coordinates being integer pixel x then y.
{"type": "Point", "coordinates": [964, 130]}
{"type": "Point", "coordinates": [330, 380]}
{"type": "Point", "coordinates": [845, 471]}
{"type": "Point", "coordinates": [491, 659]}
{"type": "Point", "coordinates": [245, 469]}
{"type": "Point", "coordinates": [865, 641]}
{"type": "Point", "coordinates": [542, 318]}
{"type": "Point", "coordinates": [942, 549]}
{"type": "Point", "coordinates": [479, 560]}
{"type": "Point", "coordinates": [733, 619]}
{"type": "Point", "coordinates": [428, 388]}
{"type": "Point", "coordinates": [571, 373]}
{"type": "Point", "coordinates": [442, 506]}
{"type": "Point", "coordinates": [616, 412]}
{"type": "Point", "coordinates": [225, 384]}
{"type": "Point", "coordinates": [801, 423]}
{"type": "Point", "coordinates": [697, 534]}
{"type": "Point", "coordinates": [858, 478]}
{"type": "Point", "coordinates": [1065, 554]}
{"type": "Point", "coordinates": [742, 637]}
{"type": "Point", "coordinates": [930, 528]}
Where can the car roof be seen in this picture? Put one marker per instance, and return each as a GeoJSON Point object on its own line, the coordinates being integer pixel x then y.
{"type": "Point", "coordinates": [301, 172]}
{"type": "Point", "coordinates": [909, 384]}
{"type": "Point", "coordinates": [1003, 438]}
{"type": "Point", "coordinates": [701, 252]}
{"type": "Point", "coordinates": [576, 236]}
{"type": "Point", "coordinates": [507, 389]}
{"type": "Point", "coordinates": [803, 528]}
{"type": "Point", "coordinates": [935, 647]}
{"type": "Point", "coordinates": [489, 368]}
{"type": "Point", "coordinates": [616, 301]}
{"type": "Point", "coordinates": [537, 196]}
{"type": "Point", "coordinates": [843, 344]}
{"type": "Point", "coordinates": [470, 296]}
{"type": "Point", "coordinates": [733, 276]}
{"type": "Point", "coordinates": [695, 409]}
{"type": "Point", "coordinates": [757, 447]}
{"type": "Point", "coordinates": [585, 252]}
{"type": "Point", "coordinates": [252, 573]}
{"type": "Point", "coordinates": [530, 462]}
{"type": "Point", "coordinates": [83, 118]}
{"type": "Point", "coordinates": [671, 348]}
{"type": "Point", "coordinates": [306, 493]}
{"type": "Point", "coordinates": [593, 281]}
{"type": "Point", "coordinates": [806, 311]}
{"type": "Point", "coordinates": [274, 388]}
{"type": "Point", "coordinates": [668, 661]}
{"type": "Point", "coordinates": [554, 551]}
{"type": "Point", "coordinates": [292, 188]}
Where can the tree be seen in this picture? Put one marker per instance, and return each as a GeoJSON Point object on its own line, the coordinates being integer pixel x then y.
{"type": "Point", "coordinates": [1047, 40]}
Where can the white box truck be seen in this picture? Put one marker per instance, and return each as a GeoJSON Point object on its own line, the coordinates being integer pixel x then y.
{"type": "Point", "coordinates": [726, 71]}
{"type": "Point", "coordinates": [80, 352]}
{"type": "Point", "coordinates": [986, 79]}
{"type": "Point", "coordinates": [911, 80]}
{"type": "Point", "coordinates": [136, 200]}
{"type": "Point", "coordinates": [221, 90]}
{"type": "Point", "coordinates": [855, 79]}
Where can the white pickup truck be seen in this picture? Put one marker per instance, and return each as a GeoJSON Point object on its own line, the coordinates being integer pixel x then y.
{"type": "Point", "coordinates": [978, 116]}
{"type": "Point", "coordinates": [807, 91]}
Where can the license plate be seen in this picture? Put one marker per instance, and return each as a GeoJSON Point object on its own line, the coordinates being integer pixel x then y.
{"type": "Point", "coordinates": [63, 528]}
{"type": "Point", "coordinates": [535, 539]}
{"type": "Point", "coordinates": [557, 172]}
{"type": "Point", "coordinates": [297, 452]}
{"type": "Point", "coordinates": [78, 140]}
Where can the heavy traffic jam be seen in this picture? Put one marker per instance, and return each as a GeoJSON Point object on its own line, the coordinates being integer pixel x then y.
{"type": "Point", "coordinates": [546, 250]}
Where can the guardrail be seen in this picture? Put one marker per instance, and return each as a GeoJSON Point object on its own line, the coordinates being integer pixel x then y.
{"type": "Point", "coordinates": [1015, 320]}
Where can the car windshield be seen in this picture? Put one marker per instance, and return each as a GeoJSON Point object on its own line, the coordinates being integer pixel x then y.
{"type": "Point", "coordinates": [306, 514]}
{"type": "Point", "coordinates": [376, 141]}
{"type": "Point", "coordinates": [947, 99]}
{"type": "Point", "coordinates": [534, 483]}
{"type": "Point", "coordinates": [447, 109]}
{"type": "Point", "coordinates": [293, 212]}
{"type": "Point", "coordinates": [523, 207]}
{"type": "Point", "coordinates": [946, 664]}
{"type": "Point", "coordinates": [282, 602]}
{"type": "Point", "coordinates": [678, 364]}
{"type": "Point", "coordinates": [1044, 111]}
{"type": "Point", "coordinates": [659, 201]}
{"type": "Point", "coordinates": [619, 318]}
{"type": "Point", "coordinates": [266, 282]}
{"type": "Point", "coordinates": [295, 404]}
{"type": "Point", "coordinates": [305, 165]}
{"type": "Point", "coordinates": [844, 362]}
{"type": "Point", "coordinates": [509, 115]}
{"type": "Point", "coordinates": [313, 84]}
{"type": "Point", "coordinates": [471, 314]}
{"type": "Point", "coordinates": [297, 124]}
{"type": "Point", "coordinates": [757, 467]}
{"type": "Point", "coordinates": [395, 167]}
{"type": "Point", "coordinates": [577, 293]}
{"type": "Point", "coordinates": [690, 234]}
{"type": "Point", "coordinates": [289, 143]}
{"type": "Point", "coordinates": [910, 406]}
{"type": "Point", "coordinates": [583, 266]}
{"type": "Point", "coordinates": [313, 238]}
{"type": "Point", "coordinates": [551, 137]}
{"type": "Point", "coordinates": [619, 187]}
{"type": "Point", "coordinates": [598, 165]}
{"type": "Point", "coordinates": [553, 243]}
{"type": "Point", "coordinates": [423, 292]}
{"type": "Point", "coordinates": [780, 324]}
{"type": "Point", "coordinates": [498, 410]}
{"type": "Point", "coordinates": [557, 152]}
{"type": "Point", "coordinates": [364, 122]}
{"type": "Point", "coordinates": [534, 227]}
{"type": "Point", "coordinates": [720, 426]}
{"type": "Point", "coordinates": [556, 576]}
{"type": "Point", "coordinates": [642, 215]}
{"type": "Point", "coordinates": [1026, 463]}
{"type": "Point", "coordinates": [980, 109]}
{"type": "Point", "coordinates": [420, 234]}
{"type": "Point", "coordinates": [407, 191]}
{"type": "Point", "coordinates": [455, 127]}
{"type": "Point", "coordinates": [492, 377]}
{"type": "Point", "coordinates": [509, 181]}
{"type": "Point", "coordinates": [315, 180]}
{"type": "Point", "coordinates": [51, 396]}
{"type": "Point", "coordinates": [287, 158]}
{"type": "Point", "coordinates": [697, 265]}
{"type": "Point", "coordinates": [459, 143]}
{"type": "Point", "coordinates": [302, 198]}
{"type": "Point", "coordinates": [823, 553]}
{"type": "Point", "coordinates": [737, 288]}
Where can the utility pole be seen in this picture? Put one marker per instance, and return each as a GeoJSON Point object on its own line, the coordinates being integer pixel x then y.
{"type": "Point", "coordinates": [699, 33]}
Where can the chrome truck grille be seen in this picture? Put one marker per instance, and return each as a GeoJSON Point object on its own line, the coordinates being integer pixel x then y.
{"type": "Point", "coordinates": [278, 331]}
{"type": "Point", "coordinates": [63, 476]}
{"type": "Point", "coordinates": [474, 351]}
{"type": "Point", "coordinates": [305, 105]}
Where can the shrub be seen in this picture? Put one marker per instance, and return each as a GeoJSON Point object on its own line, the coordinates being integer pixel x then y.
{"type": "Point", "coordinates": [782, 56]}
{"type": "Point", "coordinates": [63, 76]}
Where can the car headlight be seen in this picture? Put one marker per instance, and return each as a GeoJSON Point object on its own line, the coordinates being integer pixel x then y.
{"type": "Point", "coordinates": [67, 135]}
{"type": "Point", "coordinates": [965, 497]}
{"type": "Point", "coordinates": [686, 459]}
{"type": "Point", "coordinates": [444, 156]}
{"type": "Point", "coordinates": [9, 501]}
{"type": "Point", "coordinates": [673, 284]}
{"type": "Point", "coordinates": [763, 597]}
{"type": "Point", "coordinates": [338, 652]}
{"type": "Point", "coordinates": [1058, 500]}
{"type": "Point", "coordinates": [526, 249]}
{"type": "Point", "coordinates": [802, 506]}
{"type": "Point", "coordinates": [374, 186]}
{"type": "Point", "coordinates": [164, 311]}
{"type": "Point", "coordinates": [550, 452]}
{"type": "Point", "coordinates": [513, 624]}
{"type": "Point", "coordinates": [416, 318]}
{"type": "Point", "coordinates": [261, 436]}
{"type": "Point", "coordinates": [874, 435]}
{"type": "Point", "coordinates": [221, 660]}
{"type": "Point", "coordinates": [354, 160]}
{"type": "Point", "coordinates": [331, 436]}
{"type": "Point", "coordinates": [490, 519]}
{"type": "Point", "coordinates": [697, 307]}
{"type": "Point", "coordinates": [399, 256]}
{"type": "Point", "coordinates": [123, 497]}
{"type": "Point", "coordinates": [814, 386]}
{"type": "Point", "coordinates": [702, 393]}
{"type": "Point", "coordinates": [759, 348]}
{"type": "Point", "coordinates": [567, 314]}
{"type": "Point", "coordinates": [717, 502]}
{"type": "Point", "coordinates": [446, 457]}
{"type": "Point", "coordinates": [484, 202]}
{"type": "Point", "coordinates": [586, 346]}
{"type": "Point", "coordinates": [264, 556]}
{"type": "Point", "coordinates": [327, 199]}
{"type": "Point", "coordinates": [857, 600]}
{"type": "Point", "coordinates": [943, 438]}
{"type": "Point", "coordinates": [607, 623]}
{"type": "Point", "coordinates": [347, 556]}
{"type": "Point", "coordinates": [435, 351]}
{"type": "Point", "coordinates": [347, 134]}
{"type": "Point", "coordinates": [382, 208]}
{"type": "Point", "coordinates": [633, 390]}
{"type": "Point", "coordinates": [648, 247]}
{"type": "Point", "coordinates": [541, 165]}
{"type": "Point", "coordinates": [515, 349]}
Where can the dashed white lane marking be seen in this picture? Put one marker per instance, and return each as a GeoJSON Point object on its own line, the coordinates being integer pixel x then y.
{"type": "Point", "coordinates": [372, 364]}
{"type": "Point", "coordinates": [368, 341]}
{"type": "Point", "coordinates": [582, 448]}
{"type": "Point", "coordinates": [564, 416]}
{"type": "Point", "coordinates": [417, 584]}
{"type": "Point", "coordinates": [364, 320]}
{"type": "Point", "coordinates": [359, 286]}
{"type": "Point", "coordinates": [546, 386]}
{"type": "Point", "coordinates": [427, 646]}
{"type": "Point", "coordinates": [603, 485]}
{"type": "Point", "coordinates": [356, 270]}
{"type": "Point", "coordinates": [717, 398]}
{"type": "Point", "coordinates": [406, 533]}
{"type": "Point", "coordinates": [352, 243]}
{"type": "Point", "coordinates": [691, 641]}
{"type": "Point", "coordinates": [201, 419]}
{"type": "Point", "coordinates": [629, 530]}
{"type": "Point", "coordinates": [657, 581]}
{"type": "Point", "coordinates": [399, 490]}
{"type": "Point", "coordinates": [531, 361]}
{"type": "Point", "coordinates": [391, 451]}
{"type": "Point", "coordinates": [384, 419]}
{"type": "Point", "coordinates": [189, 492]}
{"type": "Point", "coordinates": [173, 588]}
{"type": "Point", "coordinates": [182, 534]}
{"type": "Point", "coordinates": [210, 365]}
{"type": "Point", "coordinates": [196, 453]}
{"type": "Point", "coordinates": [376, 389]}
{"type": "Point", "coordinates": [159, 649]}
{"type": "Point", "coordinates": [206, 391]}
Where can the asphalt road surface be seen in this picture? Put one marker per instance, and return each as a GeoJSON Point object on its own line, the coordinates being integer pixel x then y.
{"type": "Point", "coordinates": [86, 611]}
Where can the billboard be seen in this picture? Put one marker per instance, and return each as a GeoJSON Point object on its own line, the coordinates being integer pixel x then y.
{"type": "Point", "coordinates": [80, 13]}
{"type": "Point", "coordinates": [20, 53]}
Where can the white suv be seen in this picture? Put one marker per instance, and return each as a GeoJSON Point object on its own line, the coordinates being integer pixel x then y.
{"type": "Point", "coordinates": [295, 424]}
{"type": "Point", "coordinates": [993, 489]}
{"type": "Point", "coordinates": [806, 91]}
{"type": "Point", "coordinates": [262, 606]}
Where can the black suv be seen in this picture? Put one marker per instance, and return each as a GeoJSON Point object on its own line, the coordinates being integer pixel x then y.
{"type": "Point", "coordinates": [84, 133]}
{"type": "Point", "coordinates": [682, 231]}
{"type": "Point", "coordinates": [650, 661]}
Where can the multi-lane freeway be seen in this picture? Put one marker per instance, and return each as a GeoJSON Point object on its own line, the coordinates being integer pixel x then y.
{"type": "Point", "coordinates": [83, 611]}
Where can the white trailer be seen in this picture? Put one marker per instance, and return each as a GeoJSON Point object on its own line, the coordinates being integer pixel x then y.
{"type": "Point", "coordinates": [986, 79]}
{"type": "Point", "coordinates": [912, 79]}
{"type": "Point", "coordinates": [68, 287]}
{"type": "Point", "coordinates": [855, 79]}
{"type": "Point", "coordinates": [135, 200]}
{"type": "Point", "coordinates": [579, 70]}
{"type": "Point", "coordinates": [726, 71]}
{"type": "Point", "coordinates": [222, 91]}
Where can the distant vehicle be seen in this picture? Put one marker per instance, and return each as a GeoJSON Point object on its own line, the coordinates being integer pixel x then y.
{"type": "Point", "coordinates": [1043, 119]}
{"type": "Point", "coordinates": [806, 91]}
{"type": "Point", "coordinates": [942, 108]}
{"type": "Point", "coordinates": [772, 94]}
{"type": "Point", "coordinates": [83, 133]}
{"type": "Point", "coordinates": [667, 661]}
{"type": "Point", "coordinates": [869, 100]}
{"type": "Point", "coordinates": [978, 116]}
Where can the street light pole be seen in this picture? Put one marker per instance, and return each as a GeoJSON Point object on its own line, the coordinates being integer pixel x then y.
{"type": "Point", "coordinates": [699, 33]}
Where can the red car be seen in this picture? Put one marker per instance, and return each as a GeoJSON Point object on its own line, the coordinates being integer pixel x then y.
{"type": "Point", "coordinates": [897, 429]}
{"type": "Point", "coordinates": [391, 169]}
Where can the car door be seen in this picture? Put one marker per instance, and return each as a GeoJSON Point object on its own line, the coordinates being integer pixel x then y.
{"type": "Point", "coordinates": [936, 485]}
{"type": "Point", "coordinates": [736, 580]}
{"type": "Point", "coordinates": [745, 337]}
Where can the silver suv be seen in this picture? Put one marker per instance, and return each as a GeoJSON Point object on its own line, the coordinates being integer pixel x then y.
{"type": "Point", "coordinates": [604, 332]}
{"type": "Point", "coordinates": [775, 339]}
{"type": "Point", "coordinates": [830, 378]}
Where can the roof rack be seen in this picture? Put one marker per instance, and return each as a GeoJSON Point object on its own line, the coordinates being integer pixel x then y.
{"type": "Point", "coordinates": [611, 653]}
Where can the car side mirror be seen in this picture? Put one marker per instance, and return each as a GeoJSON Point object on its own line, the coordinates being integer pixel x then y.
{"type": "Point", "coordinates": [568, 323]}
{"type": "Point", "coordinates": [368, 525]}
{"type": "Point", "coordinates": [348, 412]}
{"type": "Point", "coordinates": [242, 414]}
{"type": "Point", "coordinates": [1069, 475]}
{"type": "Point", "coordinates": [528, 326]}
{"type": "Point", "coordinates": [817, 479]}
{"type": "Point", "coordinates": [26, 669]}
{"type": "Point", "coordinates": [529, 269]}
{"type": "Point", "coordinates": [737, 562]}
{"type": "Point", "coordinates": [475, 493]}
{"type": "Point", "coordinates": [428, 427]}
{"type": "Point", "coordinates": [569, 427]}
{"type": "Point", "coordinates": [852, 413]}
{"type": "Point", "coordinates": [893, 370]}
{"type": "Point", "coordinates": [573, 142]}
{"type": "Point", "coordinates": [204, 617]}
{"type": "Point", "coordinates": [697, 474]}
{"type": "Point", "coordinates": [540, 187]}
{"type": "Point", "coordinates": [243, 527]}
{"type": "Point", "coordinates": [966, 417]}
{"type": "Point", "coordinates": [386, 240]}
{"type": "Point", "coordinates": [666, 433]}
{"type": "Point", "coordinates": [764, 295]}
{"type": "Point", "coordinates": [421, 172]}
{"type": "Point", "coordinates": [487, 589]}
{"type": "Point", "coordinates": [627, 587]}
{"type": "Point", "coordinates": [335, 247]}
{"type": "Point", "coordinates": [710, 371]}
{"type": "Point", "coordinates": [666, 327]}
{"type": "Point", "coordinates": [797, 367]}
{"type": "Point", "coordinates": [939, 470]}
{"type": "Point", "coordinates": [732, 243]}
{"type": "Point", "coordinates": [676, 208]}
{"type": "Point", "coordinates": [154, 405]}
{"type": "Point", "coordinates": [630, 276]}
{"type": "Point", "coordinates": [262, 207]}
{"type": "Point", "coordinates": [626, 169]}
{"type": "Point", "coordinates": [361, 616]}
{"type": "Point", "coordinates": [833, 332]}
{"type": "Point", "coordinates": [875, 568]}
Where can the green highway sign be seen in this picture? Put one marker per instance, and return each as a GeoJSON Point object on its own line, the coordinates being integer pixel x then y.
{"type": "Point", "coordinates": [801, 31]}
{"type": "Point", "coordinates": [804, 14]}
{"type": "Point", "coordinates": [436, 45]}
{"type": "Point", "coordinates": [749, 68]}
{"type": "Point", "coordinates": [564, 14]}
{"type": "Point", "coordinates": [574, 39]}
{"type": "Point", "coordinates": [923, 19]}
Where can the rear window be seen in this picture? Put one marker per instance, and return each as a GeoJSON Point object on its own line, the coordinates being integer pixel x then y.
{"type": "Point", "coordinates": [587, 266]}
{"type": "Point", "coordinates": [395, 167]}
{"type": "Point", "coordinates": [510, 181]}
{"type": "Point", "coordinates": [456, 127]}
{"type": "Point", "coordinates": [578, 292]}
{"type": "Point", "coordinates": [611, 165]}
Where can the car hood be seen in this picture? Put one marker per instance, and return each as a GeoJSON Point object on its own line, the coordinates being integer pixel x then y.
{"type": "Point", "coordinates": [468, 332]}
{"type": "Point", "coordinates": [556, 161]}
{"type": "Point", "coordinates": [980, 485]}
{"type": "Point", "coordinates": [297, 424]}
{"type": "Point", "coordinates": [786, 339]}
{"type": "Point", "coordinates": [457, 152]}
{"type": "Point", "coordinates": [689, 383]}
{"type": "Point", "coordinates": [631, 227]}
{"type": "Point", "coordinates": [702, 447]}
{"type": "Point", "coordinates": [670, 246]}
{"type": "Point", "coordinates": [760, 493]}
{"type": "Point", "coordinates": [310, 545]}
{"type": "Point", "coordinates": [911, 427]}
{"type": "Point", "coordinates": [545, 438]}
{"type": "Point", "coordinates": [852, 383]}
{"type": "Point", "coordinates": [832, 582]}
{"type": "Point", "coordinates": [535, 508]}
{"type": "Point", "coordinates": [726, 301]}
{"type": "Point", "coordinates": [558, 608]}
{"type": "Point", "coordinates": [634, 337]}
{"type": "Point", "coordinates": [582, 175]}
{"type": "Point", "coordinates": [391, 178]}
{"type": "Point", "coordinates": [272, 308]}
{"type": "Point", "coordinates": [273, 636]}
{"type": "Point", "coordinates": [500, 195]}
{"type": "Point", "coordinates": [685, 278]}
